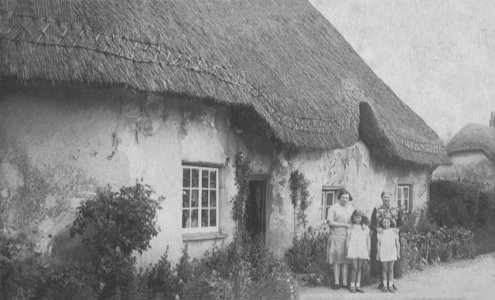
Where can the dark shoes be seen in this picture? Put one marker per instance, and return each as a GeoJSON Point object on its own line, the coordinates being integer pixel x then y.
{"type": "Point", "coordinates": [336, 287]}
{"type": "Point", "coordinates": [380, 286]}
{"type": "Point", "coordinates": [359, 290]}
{"type": "Point", "coordinates": [391, 290]}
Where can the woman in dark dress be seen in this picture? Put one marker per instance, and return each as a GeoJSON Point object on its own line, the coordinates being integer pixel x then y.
{"type": "Point", "coordinates": [385, 209]}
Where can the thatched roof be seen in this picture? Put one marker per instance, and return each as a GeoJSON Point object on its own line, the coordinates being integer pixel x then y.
{"type": "Point", "coordinates": [282, 58]}
{"type": "Point", "coordinates": [474, 137]}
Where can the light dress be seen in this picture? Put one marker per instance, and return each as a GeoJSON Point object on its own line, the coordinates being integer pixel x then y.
{"type": "Point", "coordinates": [387, 250]}
{"type": "Point", "coordinates": [336, 246]}
{"type": "Point", "coordinates": [357, 240]}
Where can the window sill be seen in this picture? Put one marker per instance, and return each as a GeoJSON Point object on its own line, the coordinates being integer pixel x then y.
{"type": "Point", "coordinates": [202, 236]}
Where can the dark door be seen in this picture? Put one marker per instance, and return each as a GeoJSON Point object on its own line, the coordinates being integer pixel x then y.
{"type": "Point", "coordinates": [255, 208]}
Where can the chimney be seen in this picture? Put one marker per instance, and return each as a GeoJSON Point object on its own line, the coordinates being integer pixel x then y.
{"type": "Point", "coordinates": [492, 120]}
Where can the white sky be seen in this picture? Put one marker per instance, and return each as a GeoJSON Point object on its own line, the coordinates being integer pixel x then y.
{"type": "Point", "coordinates": [438, 56]}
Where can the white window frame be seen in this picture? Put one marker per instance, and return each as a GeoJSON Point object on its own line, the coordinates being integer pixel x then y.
{"type": "Point", "coordinates": [200, 169]}
{"type": "Point", "coordinates": [405, 203]}
{"type": "Point", "coordinates": [324, 206]}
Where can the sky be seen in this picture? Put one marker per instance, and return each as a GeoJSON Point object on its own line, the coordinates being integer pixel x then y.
{"type": "Point", "coordinates": [438, 56]}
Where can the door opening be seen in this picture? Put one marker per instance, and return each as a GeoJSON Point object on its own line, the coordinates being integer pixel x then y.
{"type": "Point", "coordinates": [255, 208]}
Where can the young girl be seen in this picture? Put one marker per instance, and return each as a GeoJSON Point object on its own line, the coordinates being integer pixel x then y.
{"type": "Point", "coordinates": [388, 252]}
{"type": "Point", "coordinates": [358, 248]}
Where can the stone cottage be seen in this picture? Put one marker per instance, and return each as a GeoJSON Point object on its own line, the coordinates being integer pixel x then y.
{"type": "Point", "coordinates": [472, 152]}
{"type": "Point", "coordinates": [106, 92]}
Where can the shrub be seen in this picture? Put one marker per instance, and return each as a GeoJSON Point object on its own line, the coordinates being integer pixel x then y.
{"type": "Point", "coordinates": [70, 281]}
{"type": "Point", "coordinates": [161, 278]}
{"type": "Point", "coordinates": [453, 203]}
{"type": "Point", "coordinates": [113, 225]}
{"type": "Point", "coordinates": [485, 209]}
{"type": "Point", "coordinates": [307, 253]}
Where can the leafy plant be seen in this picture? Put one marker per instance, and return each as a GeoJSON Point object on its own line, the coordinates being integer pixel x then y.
{"type": "Point", "coordinates": [113, 225]}
{"type": "Point", "coordinates": [299, 196]}
{"type": "Point", "coordinates": [241, 177]}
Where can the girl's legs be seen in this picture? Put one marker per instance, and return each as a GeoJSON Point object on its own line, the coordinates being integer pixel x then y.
{"type": "Point", "coordinates": [358, 275]}
{"type": "Point", "coordinates": [354, 269]}
{"type": "Point", "coordinates": [390, 274]}
{"type": "Point", "coordinates": [384, 275]}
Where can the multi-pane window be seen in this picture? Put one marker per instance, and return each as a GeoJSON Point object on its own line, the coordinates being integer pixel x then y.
{"type": "Point", "coordinates": [199, 198]}
{"type": "Point", "coordinates": [404, 197]}
{"type": "Point", "coordinates": [327, 200]}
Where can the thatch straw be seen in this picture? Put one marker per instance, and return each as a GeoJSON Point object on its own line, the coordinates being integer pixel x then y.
{"type": "Point", "coordinates": [280, 57]}
{"type": "Point", "coordinates": [474, 137]}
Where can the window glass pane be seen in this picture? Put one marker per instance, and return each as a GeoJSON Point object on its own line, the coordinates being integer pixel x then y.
{"type": "Point", "coordinates": [399, 193]}
{"type": "Point", "coordinates": [406, 192]}
{"type": "Point", "coordinates": [204, 178]}
{"type": "Point", "coordinates": [185, 198]}
{"type": "Point", "coordinates": [194, 198]}
{"type": "Point", "coordinates": [213, 217]}
{"type": "Point", "coordinates": [194, 218]}
{"type": "Point", "coordinates": [204, 198]}
{"type": "Point", "coordinates": [186, 177]}
{"type": "Point", "coordinates": [213, 199]}
{"type": "Point", "coordinates": [326, 212]}
{"type": "Point", "coordinates": [329, 198]}
{"type": "Point", "coordinates": [204, 218]}
{"type": "Point", "coordinates": [186, 222]}
{"type": "Point", "coordinates": [213, 179]}
{"type": "Point", "coordinates": [195, 178]}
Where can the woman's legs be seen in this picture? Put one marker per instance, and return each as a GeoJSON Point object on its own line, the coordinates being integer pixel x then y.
{"type": "Point", "coordinates": [336, 273]}
{"type": "Point", "coordinates": [344, 274]}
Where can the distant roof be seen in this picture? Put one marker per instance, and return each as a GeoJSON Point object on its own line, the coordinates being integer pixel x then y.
{"type": "Point", "coordinates": [280, 57]}
{"type": "Point", "coordinates": [474, 137]}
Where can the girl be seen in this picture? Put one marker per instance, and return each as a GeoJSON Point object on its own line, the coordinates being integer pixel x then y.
{"type": "Point", "coordinates": [358, 247]}
{"type": "Point", "coordinates": [388, 252]}
{"type": "Point", "coordinates": [339, 219]}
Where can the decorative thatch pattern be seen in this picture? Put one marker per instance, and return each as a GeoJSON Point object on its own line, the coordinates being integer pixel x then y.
{"type": "Point", "coordinates": [474, 137]}
{"type": "Point", "coordinates": [280, 57]}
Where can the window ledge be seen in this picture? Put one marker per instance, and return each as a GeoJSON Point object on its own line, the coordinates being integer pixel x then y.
{"type": "Point", "coordinates": [202, 236]}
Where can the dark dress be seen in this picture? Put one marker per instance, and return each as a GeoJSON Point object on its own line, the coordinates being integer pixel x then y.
{"type": "Point", "coordinates": [375, 223]}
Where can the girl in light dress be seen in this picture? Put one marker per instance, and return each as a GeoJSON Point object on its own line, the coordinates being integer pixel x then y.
{"type": "Point", "coordinates": [358, 248]}
{"type": "Point", "coordinates": [388, 252]}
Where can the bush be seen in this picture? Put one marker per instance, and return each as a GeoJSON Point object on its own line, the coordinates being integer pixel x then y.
{"type": "Point", "coordinates": [162, 278]}
{"type": "Point", "coordinates": [113, 225]}
{"type": "Point", "coordinates": [307, 254]}
{"type": "Point", "coordinates": [486, 213]}
{"type": "Point", "coordinates": [453, 203]}
{"type": "Point", "coordinates": [70, 281]}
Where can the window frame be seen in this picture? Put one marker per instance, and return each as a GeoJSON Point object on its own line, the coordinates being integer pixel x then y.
{"type": "Point", "coordinates": [201, 168]}
{"type": "Point", "coordinates": [324, 207]}
{"type": "Point", "coordinates": [401, 200]}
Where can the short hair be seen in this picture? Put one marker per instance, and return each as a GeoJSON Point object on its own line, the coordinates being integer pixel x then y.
{"type": "Point", "coordinates": [385, 193]}
{"type": "Point", "coordinates": [343, 192]}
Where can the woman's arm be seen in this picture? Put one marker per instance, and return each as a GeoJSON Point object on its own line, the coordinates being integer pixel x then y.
{"type": "Point", "coordinates": [368, 244]}
{"type": "Point", "coordinates": [397, 245]}
{"type": "Point", "coordinates": [331, 220]}
{"type": "Point", "coordinates": [373, 221]}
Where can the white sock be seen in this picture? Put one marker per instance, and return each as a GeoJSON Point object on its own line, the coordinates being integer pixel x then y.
{"type": "Point", "coordinates": [358, 284]}
{"type": "Point", "coordinates": [353, 285]}
{"type": "Point", "coordinates": [391, 283]}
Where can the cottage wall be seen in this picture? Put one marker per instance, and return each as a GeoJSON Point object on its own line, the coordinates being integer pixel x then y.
{"type": "Point", "coordinates": [58, 145]}
{"type": "Point", "coordinates": [471, 167]}
{"type": "Point", "coordinates": [351, 167]}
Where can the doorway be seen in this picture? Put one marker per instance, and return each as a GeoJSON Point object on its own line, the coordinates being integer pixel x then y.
{"type": "Point", "coordinates": [256, 208]}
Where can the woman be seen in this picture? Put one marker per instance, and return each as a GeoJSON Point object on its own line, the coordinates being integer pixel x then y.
{"type": "Point", "coordinates": [379, 213]}
{"type": "Point", "coordinates": [339, 219]}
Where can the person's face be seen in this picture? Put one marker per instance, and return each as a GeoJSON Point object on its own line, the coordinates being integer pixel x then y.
{"type": "Point", "coordinates": [386, 223]}
{"type": "Point", "coordinates": [386, 200]}
{"type": "Point", "coordinates": [357, 219]}
{"type": "Point", "coordinates": [344, 199]}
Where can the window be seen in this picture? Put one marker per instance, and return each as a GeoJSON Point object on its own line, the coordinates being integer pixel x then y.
{"type": "Point", "coordinates": [327, 199]}
{"type": "Point", "coordinates": [404, 197]}
{"type": "Point", "coordinates": [199, 199]}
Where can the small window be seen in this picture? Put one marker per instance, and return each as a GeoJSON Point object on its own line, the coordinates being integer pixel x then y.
{"type": "Point", "coordinates": [404, 197]}
{"type": "Point", "coordinates": [327, 200]}
{"type": "Point", "coordinates": [199, 199]}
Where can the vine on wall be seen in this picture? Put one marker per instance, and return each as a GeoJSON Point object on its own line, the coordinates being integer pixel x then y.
{"type": "Point", "coordinates": [242, 172]}
{"type": "Point", "coordinates": [299, 196]}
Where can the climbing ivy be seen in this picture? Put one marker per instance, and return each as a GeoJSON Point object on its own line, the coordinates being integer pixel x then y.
{"type": "Point", "coordinates": [241, 177]}
{"type": "Point", "coordinates": [299, 196]}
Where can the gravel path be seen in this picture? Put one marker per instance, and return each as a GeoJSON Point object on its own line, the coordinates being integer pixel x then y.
{"type": "Point", "coordinates": [465, 279]}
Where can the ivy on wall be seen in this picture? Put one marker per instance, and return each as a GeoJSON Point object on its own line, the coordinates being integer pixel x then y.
{"type": "Point", "coordinates": [241, 177]}
{"type": "Point", "coordinates": [299, 196]}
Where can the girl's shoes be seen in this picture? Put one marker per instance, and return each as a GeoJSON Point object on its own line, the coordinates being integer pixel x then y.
{"type": "Point", "coordinates": [384, 289]}
{"type": "Point", "coordinates": [359, 290]}
{"type": "Point", "coordinates": [336, 287]}
{"type": "Point", "coordinates": [353, 289]}
{"type": "Point", "coordinates": [391, 290]}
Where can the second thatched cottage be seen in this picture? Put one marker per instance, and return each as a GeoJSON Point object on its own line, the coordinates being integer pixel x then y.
{"type": "Point", "coordinates": [105, 92]}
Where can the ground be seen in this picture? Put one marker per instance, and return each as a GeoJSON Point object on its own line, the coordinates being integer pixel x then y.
{"type": "Point", "coordinates": [464, 279]}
